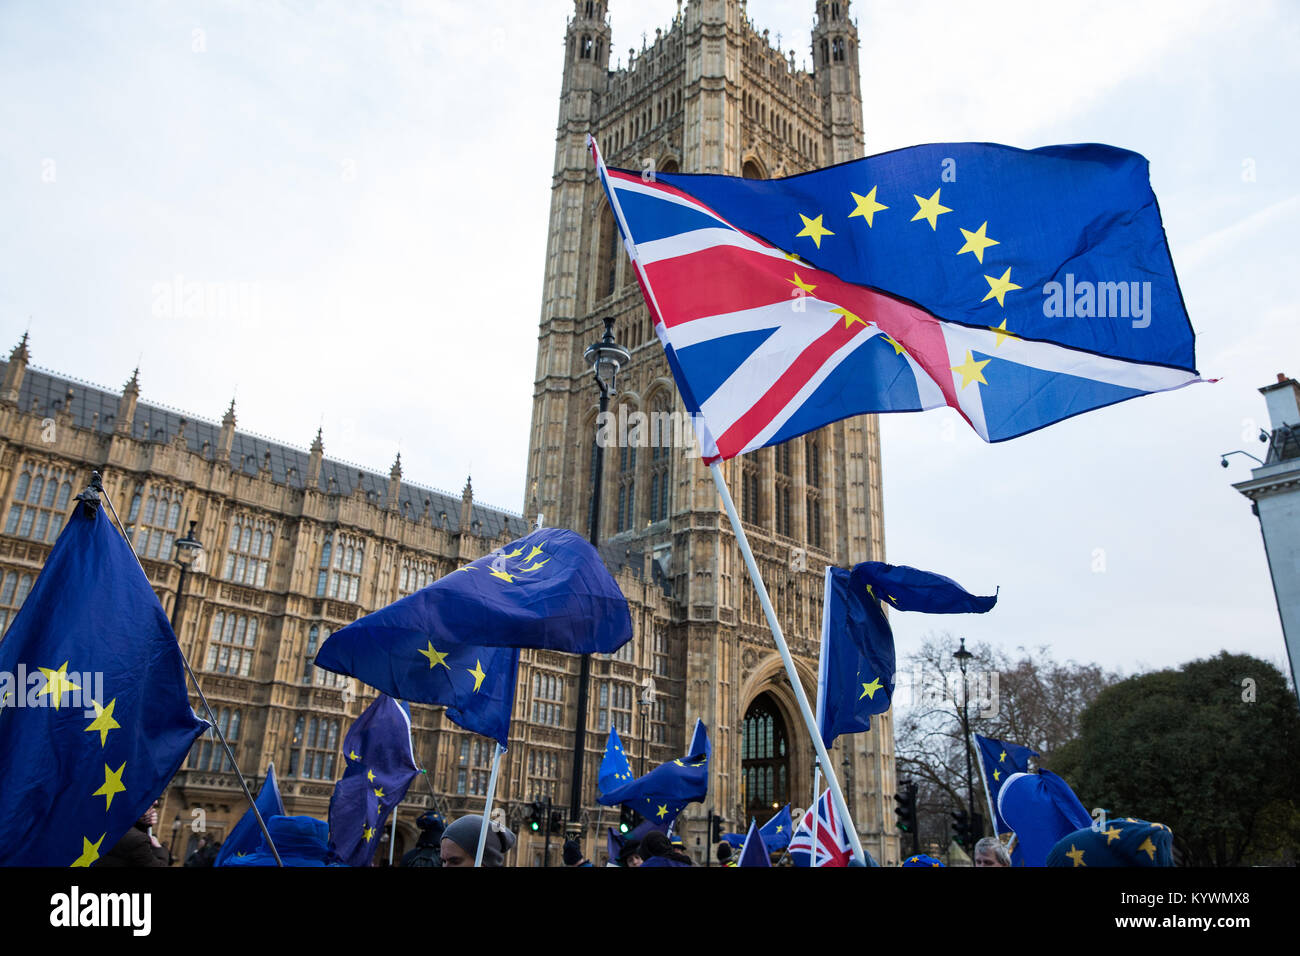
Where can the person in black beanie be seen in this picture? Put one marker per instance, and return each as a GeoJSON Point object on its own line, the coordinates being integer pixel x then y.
{"type": "Point", "coordinates": [427, 850]}
{"type": "Point", "coordinates": [573, 854]}
{"type": "Point", "coordinates": [460, 842]}
{"type": "Point", "coordinates": [658, 850]}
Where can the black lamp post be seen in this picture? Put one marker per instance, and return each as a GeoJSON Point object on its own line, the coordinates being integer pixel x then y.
{"type": "Point", "coordinates": [605, 358]}
{"type": "Point", "coordinates": [963, 657]}
{"type": "Point", "coordinates": [188, 550]}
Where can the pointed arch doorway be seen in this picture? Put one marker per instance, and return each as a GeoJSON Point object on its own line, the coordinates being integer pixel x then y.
{"type": "Point", "coordinates": [765, 758]}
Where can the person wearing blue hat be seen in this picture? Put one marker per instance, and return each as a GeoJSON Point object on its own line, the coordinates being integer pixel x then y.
{"type": "Point", "coordinates": [921, 859]}
{"type": "Point", "coordinates": [1117, 842]}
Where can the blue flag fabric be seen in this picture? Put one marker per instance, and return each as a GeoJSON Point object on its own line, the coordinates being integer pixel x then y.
{"type": "Point", "coordinates": [857, 659]}
{"type": "Point", "coordinates": [94, 717]}
{"type": "Point", "coordinates": [380, 766]}
{"type": "Point", "coordinates": [776, 831]}
{"type": "Point", "coordinates": [391, 651]}
{"type": "Point", "coordinates": [1000, 760]}
{"type": "Point", "coordinates": [1019, 287]}
{"type": "Point", "coordinates": [1041, 809]}
{"type": "Point", "coordinates": [755, 851]}
{"type": "Point", "coordinates": [908, 589]}
{"type": "Point", "coordinates": [614, 768]}
{"type": "Point", "coordinates": [245, 837]}
{"type": "Point", "coordinates": [1120, 842]}
{"type": "Point", "coordinates": [663, 792]}
{"type": "Point", "coordinates": [300, 841]}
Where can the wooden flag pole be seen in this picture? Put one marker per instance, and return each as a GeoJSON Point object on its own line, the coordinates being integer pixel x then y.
{"type": "Point", "coordinates": [487, 804]}
{"type": "Point", "coordinates": [823, 758]}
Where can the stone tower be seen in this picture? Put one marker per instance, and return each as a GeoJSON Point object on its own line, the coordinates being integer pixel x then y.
{"type": "Point", "coordinates": [709, 94]}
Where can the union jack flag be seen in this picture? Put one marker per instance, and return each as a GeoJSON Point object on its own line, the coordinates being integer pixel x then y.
{"type": "Point", "coordinates": [767, 343]}
{"type": "Point", "coordinates": [833, 847]}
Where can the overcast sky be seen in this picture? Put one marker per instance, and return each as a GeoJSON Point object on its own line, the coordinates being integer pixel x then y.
{"type": "Point", "coordinates": [364, 189]}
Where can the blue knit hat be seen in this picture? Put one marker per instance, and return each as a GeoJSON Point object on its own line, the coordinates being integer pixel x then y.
{"type": "Point", "coordinates": [1121, 842]}
{"type": "Point", "coordinates": [921, 859]}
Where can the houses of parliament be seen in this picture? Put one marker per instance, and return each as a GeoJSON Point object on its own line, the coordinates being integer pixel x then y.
{"type": "Point", "coordinates": [298, 545]}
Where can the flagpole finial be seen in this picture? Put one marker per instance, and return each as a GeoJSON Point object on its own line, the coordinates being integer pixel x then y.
{"type": "Point", "coordinates": [90, 497]}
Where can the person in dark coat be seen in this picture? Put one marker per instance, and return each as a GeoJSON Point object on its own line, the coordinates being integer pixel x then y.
{"type": "Point", "coordinates": [138, 847]}
{"type": "Point", "coordinates": [657, 850]}
{"type": "Point", "coordinates": [427, 850]}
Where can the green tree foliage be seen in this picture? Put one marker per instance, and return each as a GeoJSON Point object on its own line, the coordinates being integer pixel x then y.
{"type": "Point", "coordinates": [1212, 750]}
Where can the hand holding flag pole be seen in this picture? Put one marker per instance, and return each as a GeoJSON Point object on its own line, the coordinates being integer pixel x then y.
{"type": "Point", "coordinates": [92, 493]}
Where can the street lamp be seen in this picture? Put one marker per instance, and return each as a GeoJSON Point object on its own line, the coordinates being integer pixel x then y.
{"type": "Point", "coordinates": [963, 657]}
{"type": "Point", "coordinates": [647, 701]}
{"type": "Point", "coordinates": [188, 550]}
{"type": "Point", "coordinates": [605, 357]}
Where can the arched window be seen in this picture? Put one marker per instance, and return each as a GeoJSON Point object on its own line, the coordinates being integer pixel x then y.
{"type": "Point", "coordinates": [751, 170]}
{"type": "Point", "coordinates": [13, 592]}
{"type": "Point", "coordinates": [627, 482]}
{"type": "Point", "coordinates": [248, 555]}
{"type": "Point", "coordinates": [813, 483]}
{"type": "Point", "coordinates": [765, 758]}
{"type": "Point", "coordinates": [41, 495]}
{"type": "Point", "coordinates": [661, 438]}
{"type": "Point", "coordinates": [784, 479]}
{"type": "Point", "coordinates": [837, 50]}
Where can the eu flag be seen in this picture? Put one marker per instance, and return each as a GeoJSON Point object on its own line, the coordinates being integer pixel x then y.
{"type": "Point", "coordinates": [380, 766]}
{"type": "Point", "coordinates": [614, 768]}
{"type": "Point", "coordinates": [246, 836]}
{"type": "Point", "coordinates": [755, 851]}
{"type": "Point", "coordinates": [856, 673]}
{"type": "Point", "coordinates": [908, 589]}
{"type": "Point", "coordinates": [94, 718]}
{"type": "Point", "coordinates": [549, 590]}
{"type": "Point", "coordinates": [1018, 287]}
{"type": "Point", "coordinates": [663, 792]}
{"type": "Point", "coordinates": [1000, 760]}
{"type": "Point", "coordinates": [394, 651]}
{"type": "Point", "coordinates": [1041, 809]}
{"type": "Point", "coordinates": [776, 831]}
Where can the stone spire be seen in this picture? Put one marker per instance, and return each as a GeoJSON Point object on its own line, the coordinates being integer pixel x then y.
{"type": "Point", "coordinates": [466, 505]}
{"type": "Point", "coordinates": [313, 463]}
{"type": "Point", "coordinates": [394, 483]}
{"type": "Point", "coordinates": [226, 441]}
{"type": "Point", "coordinates": [14, 372]}
{"type": "Point", "coordinates": [125, 421]}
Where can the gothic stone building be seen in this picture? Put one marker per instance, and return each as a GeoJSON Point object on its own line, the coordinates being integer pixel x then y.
{"type": "Point", "coordinates": [298, 545]}
{"type": "Point", "coordinates": [709, 95]}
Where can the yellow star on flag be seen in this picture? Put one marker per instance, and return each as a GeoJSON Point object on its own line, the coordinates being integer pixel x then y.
{"type": "Point", "coordinates": [849, 317]}
{"type": "Point", "coordinates": [998, 288]}
{"type": "Point", "coordinates": [663, 811]}
{"type": "Point", "coordinates": [112, 785]}
{"type": "Point", "coordinates": [1002, 759]}
{"type": "Point", "coordinates": [971, 370]}
{"type": "Point", "coordinates": [780, 827]}
{"type": "Point", "coordinates": [976, 242]}
{"type": "Point", "coordinates": [867, 206]}
{"type": "Point", "coordinates": [1148, 847]}
{"type": "Point", "coordinates": [997, 776]}
{"type": "Point", "coordinates": [1112, 835]}
{"type": "Point", "coordinates": [898, 349]}
{"type": "Point", "coordinates": [929, 209]}
{"type": "Point", "coordinates": [367, 832]}
{"type": "Point", "coordinates": [103, 721]}
{"type": "Point", "coordinates": [370, 775]}
{"type": "Point", "coordinates": [806, 287]}
{"type": "Point", "coordinates": [353, 755]}
{"type": "Point", "coordinates": [379, 792]}
{"type": "Point", "coordinates": [56, 683]}
{"type": "Point", "coordinates": [89, 851]}
{"type": "Point", "coordinates": [503, 575]}
{"type": "Point", "coordinates": [1001, 332]}
{"type": "Point", "coordinates": [1076, 855]}
{"type": "Point", "coordinates": [813, 229]}
{"type": "Point", "coordinates": [869, 690]}
{"type": "Point", "coordinates": [478, 674]}
{"type": "Point", "coordinates": [435, 657]}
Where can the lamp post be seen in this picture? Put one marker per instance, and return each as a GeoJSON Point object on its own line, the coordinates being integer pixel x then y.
{"type": "Point", "coordinates": [188, 549]}
{"type": "Point", "coordinates": [605, 358]}
{"type": "Point", "coordinates": [647, 701]}
{"type": "Point", "coordinates": [963, 657]}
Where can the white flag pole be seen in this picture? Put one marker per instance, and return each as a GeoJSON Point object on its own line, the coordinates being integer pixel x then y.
{"type": "Point", "coordinates": [487, 804]}
{"type": "Point", "coordinates": [392, 837]}
{"type": "Point", "coordinates": [988, 797]}
{"type": "Point", "coordinates": [795, 685]}
{"type": "Point", "coordinates": [821, 706]}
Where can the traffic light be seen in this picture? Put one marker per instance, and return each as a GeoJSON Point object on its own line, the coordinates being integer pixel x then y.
{"type": "Point", "coordinates": [627, 819]}
{"type": "Point", "coordinates": [960, 827]}
{"type": "Point", "coordinates": [715, 829]}
{"type": "Point", "coordinates": [906, 809]}
{"type": "Point", "coordinates": [536, 814]}
{"type": "Point", "coordinates": [557, 822]}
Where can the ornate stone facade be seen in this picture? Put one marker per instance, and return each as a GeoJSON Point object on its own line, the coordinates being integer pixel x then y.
{"type": "Point", "coordinates": [709, 95]}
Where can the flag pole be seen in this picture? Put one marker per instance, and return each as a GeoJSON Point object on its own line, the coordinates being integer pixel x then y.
{"type": "Point", "coordinates": [823, 758]}
{"type": "Point", "coordinates": [821, 707]}
{"type": "Point", "coordinates": [97, 484]}
{"type": "Point", "coordinates": [487, 805]}
{"type": "Point", "coordinates": [392, 837]}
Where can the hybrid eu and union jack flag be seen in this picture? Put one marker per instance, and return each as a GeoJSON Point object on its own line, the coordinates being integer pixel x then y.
{"type": "Point", "coordinates": [1017, 287]}
{"type": "Point", "coordinates": [831, 847]}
